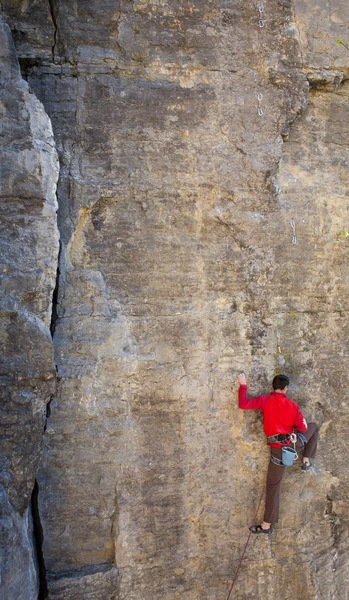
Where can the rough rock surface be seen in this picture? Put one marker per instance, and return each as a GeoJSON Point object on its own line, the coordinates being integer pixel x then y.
{"type": "Point", "coordinates": [102, 584]}
{"type": "Point", "coordinates": [19, 569]}
{"type": "Point", "coordinates": [29, 252]}
{"type": "Point", "coordinates": [178, 269]}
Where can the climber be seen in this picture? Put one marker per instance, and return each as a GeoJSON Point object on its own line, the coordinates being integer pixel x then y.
{"type": "Point", "coordinates": [281, 417]}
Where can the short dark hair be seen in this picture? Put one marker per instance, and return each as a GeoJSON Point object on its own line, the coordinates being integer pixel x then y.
{"type": "Point", "coordinates": [280, 382]}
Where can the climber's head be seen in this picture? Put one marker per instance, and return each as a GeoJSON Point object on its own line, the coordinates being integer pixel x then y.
{"type": "Point", "coordinates": [281, 383]}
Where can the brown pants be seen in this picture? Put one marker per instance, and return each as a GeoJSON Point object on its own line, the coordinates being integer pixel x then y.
{"type": "Point", "coordinates": [275, 472]}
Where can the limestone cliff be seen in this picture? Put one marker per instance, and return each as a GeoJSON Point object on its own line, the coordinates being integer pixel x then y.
{"type": "Point", "coordinates": [200, 237]}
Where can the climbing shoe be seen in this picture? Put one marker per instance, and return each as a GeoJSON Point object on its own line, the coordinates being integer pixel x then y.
{"type": "Point", "coordinates": [307, 467]}
{"type": "Point", "coordinates": [259, 529]}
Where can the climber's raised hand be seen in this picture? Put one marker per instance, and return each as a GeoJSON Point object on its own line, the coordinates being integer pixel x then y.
{"type": "Point", "coordinates": [242, 379]}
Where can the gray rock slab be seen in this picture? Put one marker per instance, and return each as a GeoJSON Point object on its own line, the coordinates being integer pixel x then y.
{"type": "Point", "coordinates": [29, 243]}
{"type": "Point", "coordinates": [18, 568]}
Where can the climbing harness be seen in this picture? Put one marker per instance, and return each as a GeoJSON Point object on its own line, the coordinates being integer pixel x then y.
{"type": "Point", "coordinates": [248, 539]}
{"type": "Point", "coordinates": [280, 437]}
{"type": "Point", "coordinates": [293, 225]}
{"type": "Point", "coordinates": [259, 109]}
{"type": "Point", "coordinates": [261, 21]}
{"type": "Point", "coordinates": [301, 438]}
{"type": "Point", "coordinates": [288, 455]}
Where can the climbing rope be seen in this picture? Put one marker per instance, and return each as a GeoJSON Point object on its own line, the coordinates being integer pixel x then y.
{"type": "Point", "coordinates": [248, 539]}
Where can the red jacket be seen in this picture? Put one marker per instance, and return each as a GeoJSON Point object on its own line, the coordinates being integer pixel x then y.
{"type": "Point", "coordinates": [280, 415]}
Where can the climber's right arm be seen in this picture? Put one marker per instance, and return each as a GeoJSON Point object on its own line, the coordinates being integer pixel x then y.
{"type": "Point", "coordinates": [249, 403]}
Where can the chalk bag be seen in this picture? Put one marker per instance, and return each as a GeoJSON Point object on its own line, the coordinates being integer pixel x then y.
{"type": "Point", "coordinates": [288, 456]}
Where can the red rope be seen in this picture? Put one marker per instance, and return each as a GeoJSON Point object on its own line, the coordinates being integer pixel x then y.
{"type": "Point", "coordinates": [248, 539]}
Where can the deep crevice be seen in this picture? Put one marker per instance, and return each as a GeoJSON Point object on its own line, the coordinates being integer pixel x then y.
{"type": "Point", "coordinates": [39, 540]}
{"type": "Point", "coordinates": [48, 412]}
{"type": "Point", "coordinates": [54, 21]}
{"type": "Point", "coordinates": [28, 65]}
{"type": "Point", "coordinates": [54, 311]}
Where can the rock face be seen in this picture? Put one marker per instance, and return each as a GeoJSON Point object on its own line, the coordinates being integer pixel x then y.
{"type": "Point", "coordinates": [29, 252]}
{"type": "Point", "coordinates": [200, 237]}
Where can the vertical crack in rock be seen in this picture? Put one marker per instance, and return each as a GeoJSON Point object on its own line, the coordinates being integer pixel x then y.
{"type": "Point", "coordinates": [39, 539]}
{"type": "Point", "coordinates": [54, 21]}
{"type": "Point", "coordinates": [38, 530]}
{"type": "Point", "coordinates": [54, 309]}
{"type": "Point", "coordinates": [48, 412]}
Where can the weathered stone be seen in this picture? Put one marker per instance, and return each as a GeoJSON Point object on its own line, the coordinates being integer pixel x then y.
{"type": "Point", "coordinates": [100, 584]}
{"type": "Point", "coordinates": [32, 28]}
{"type": "Point", "coordinates": [177, 271]}
{"type": "Point", "coordinates": [17, 553]}
{"type": "Point", "coordinates": [29, 252]}
{"type": "Point", "coordinates": [320, 24]}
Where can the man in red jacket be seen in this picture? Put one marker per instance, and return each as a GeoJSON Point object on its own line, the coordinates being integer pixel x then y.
{"type": "Point", "coordinates": [281, 417]}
